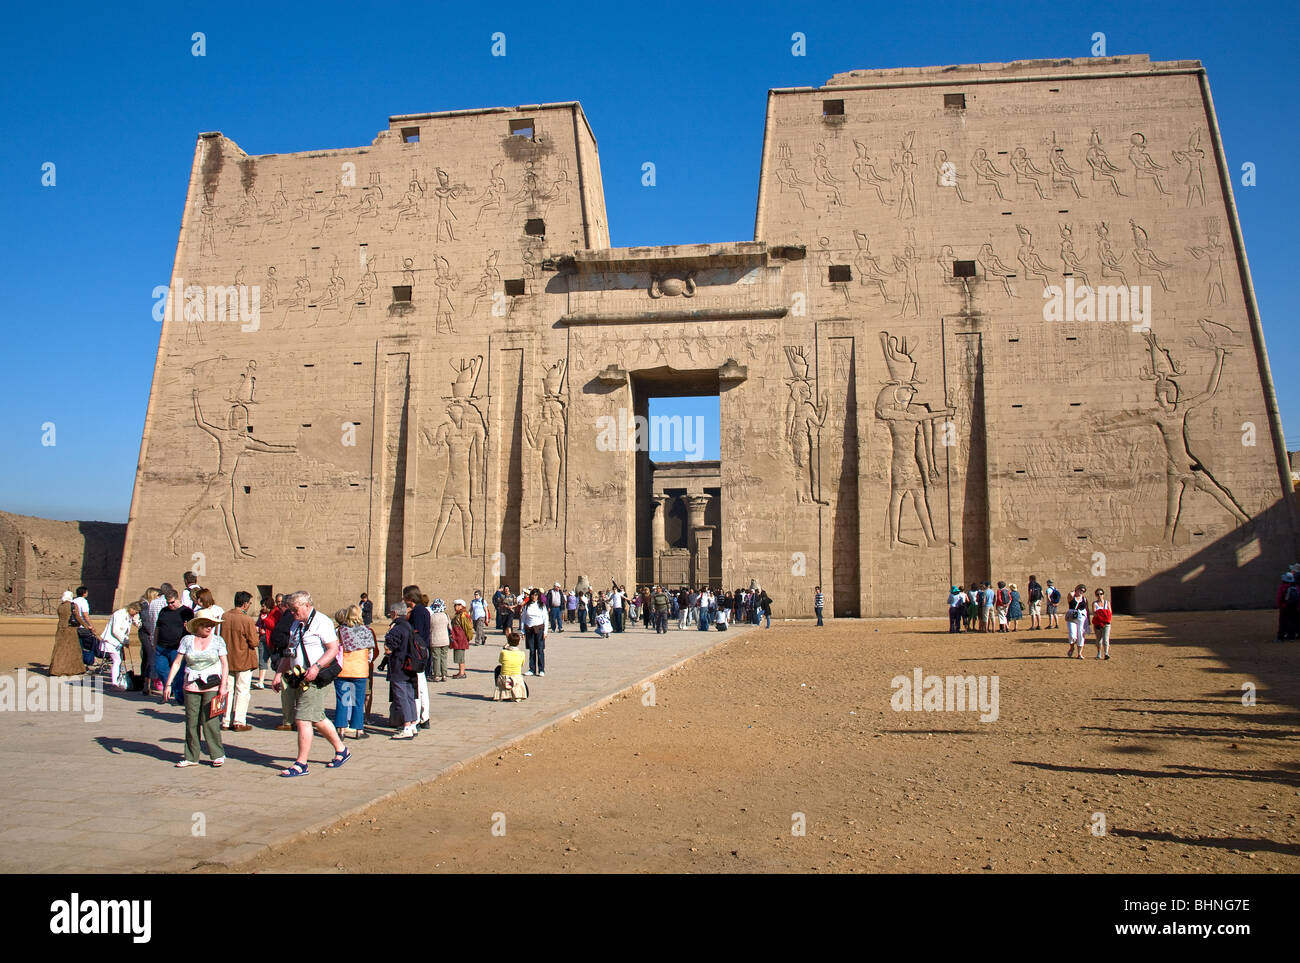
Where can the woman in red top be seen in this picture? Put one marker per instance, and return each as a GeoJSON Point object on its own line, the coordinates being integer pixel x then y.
{"type": "Point", "coordinates": [462, 630]}
{"type": "Point", "coordinates": [265, 623]}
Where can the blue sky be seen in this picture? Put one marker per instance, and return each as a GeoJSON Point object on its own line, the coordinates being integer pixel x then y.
{"type": "Point", "coordinates": [114, 98]}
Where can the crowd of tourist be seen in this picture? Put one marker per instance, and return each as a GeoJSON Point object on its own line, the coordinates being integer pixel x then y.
{"type": "Point", "coordinates": [986, 607]}
{"type": "Point", "coordinates": [201, 656]}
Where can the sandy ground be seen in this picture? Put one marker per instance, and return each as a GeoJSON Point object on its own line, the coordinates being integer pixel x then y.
{"type": "Point", "coordinates": [712, 776]}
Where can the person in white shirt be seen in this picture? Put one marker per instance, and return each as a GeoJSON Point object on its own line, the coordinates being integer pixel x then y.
{"type": "Point", "coordinates": [117, 635]}
{"type": "Point", "coordinates": [535, 626]}
{"type": "Point", "coordinates": [314, 646]}
{"type": "Point", "coordinates": [81, 607]}
{"type": "Point", "coordinates": [616, 606]}
{"type": "Point", "coordinates": [190, 596]}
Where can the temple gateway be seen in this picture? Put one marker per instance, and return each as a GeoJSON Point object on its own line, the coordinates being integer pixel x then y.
{"type": "Point", "coordinates": [995, 320]}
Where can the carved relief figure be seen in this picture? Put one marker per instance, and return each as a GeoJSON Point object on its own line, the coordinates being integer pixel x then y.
{"type": "Point", "coordinates": [463, 436]}
{"type": "Point", "coordinates": [822, 174]}
{"type": "Point", "coordinates": [868, 266]}
{"type": "Point", "coordinates": [445, 192]}
{"type": "Point", "coordinates": [1212, 253]}
{"type": "Point", "coordinates": [662, 285]}
{"type": "Point", "coordinates": [1110, 261]}
{"type": "Point", "coordinates": [233, 439]}
{"type": "Point", "coordinates": [1070, 259]}
{"type": "Point", "coordinates": [906, 264]}
{"type": "Point", "coordinates": [1194, 158]}
{"type": "Point", "coordinates": [1028, 257]}
{"type": "Point", "coordinates": [866, 173]}
{"type": "Point", "coordinates": [446, 282]}
{"type": "Point", "coordinates": [788, 177]}
{"type": "Point", "coordinates": [409, 206]}
{"type": "Point", "coordinates": [905, 170]}
{"type": "Point", "coordinates": [911, 430]}
{"type": "Point", "coordinates": [994, 268]}
{"type": "Point", "coordinates": [493, 194]}
{"type": "Point", "coordinates": [986, 173]}
{"type": "Point", "coordinates": [947, 176]}
{"type": "Point", "coordinates": [1103, 170]}
{"type": "Point", "coordinates": [368, 209]}
{"type": "Point", "coordinates": [1062, 172]}
{"type": "Point", "coordinates": [804, 419]}
{"type": "Point", "coordinates": [1026, 172]}
{"type": "Point", "coordinates": [1146, 258]}
{"type": "Point", "coordinates": [1143, 165]}
{"type": "Point", "coordinates": [1183, 469]}
{"type": "Point", "coordinates": [548, 437]}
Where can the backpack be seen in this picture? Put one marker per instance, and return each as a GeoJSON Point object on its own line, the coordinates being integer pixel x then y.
{"type": "Point", "coordinates": [1004, 597]}
{"type": "Point", "coordinates": [417, 658]}
{"type": "Point", "coordinates": [1053, 595]}
{"type": "Point", "coordinates": [1292, 594]}
{"type": "Point", "coordinates": [1035, 593]}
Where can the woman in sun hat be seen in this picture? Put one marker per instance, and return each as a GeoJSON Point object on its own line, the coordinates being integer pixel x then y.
{"type": "Point", "coordinates": [207, 677]}
{"type": "Point", "coordinates": [462, 630]}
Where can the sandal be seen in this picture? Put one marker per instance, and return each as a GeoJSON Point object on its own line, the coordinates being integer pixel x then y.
{"type": "Point", "coordinates": [185, 763]}
{"type": "Point", "coordinates": [297, 769]}
{"type": "Point", "coordinates": [218, 763]}
{"type": "Point", "coordinates": [339, 758]}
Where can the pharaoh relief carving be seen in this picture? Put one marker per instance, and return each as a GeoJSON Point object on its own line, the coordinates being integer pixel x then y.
{"type": "Point", "coordinates": [1147, 260]}
{"type": "Point", "coordinates": [1212, 253]}
{"type": "Point", "coordinates": [1184, 469]}
{"type": "Point", "coordinates": [1027, 173]}
{"type": "Point", "coordinates": [993, 267]}
{"type": "Point", "coordinates": [1193, 157]}
{"type": "Point", "coordinates": [1028, 257]}
{"type": "Point", "coordinates": [233, 440]}
{"type": "Point", "coordinates": [547, 436]}
{"type": "Point", "coordinates": [827, 182]}
{"type": "Point", "coordinates": [867, 176]}
{"type": "Point", "coordinates": [905, 170]}
{"type": "Point", "coordinates": [1062, 173]}
{"type": "Point", "coordinates": [913, 455]}
{"type": "Point", "coordinates": [461, 438]}
{"type": "Point", "coordinates": [788, 177]}
{"type": "Point", "coordinates": [987, 173]}
{"type": "Point", "coordinates": [1144, 168]}
{"type": "Point", "coordinates": [805, 414]}
{"type": "Point", "coordinates": [947, 177]}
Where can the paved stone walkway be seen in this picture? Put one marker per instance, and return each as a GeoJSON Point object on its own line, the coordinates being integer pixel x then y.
{"type": "Point", "coordinates": [87, 796]}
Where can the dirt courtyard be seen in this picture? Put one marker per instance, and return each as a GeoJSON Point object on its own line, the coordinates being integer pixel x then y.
{"type": "Point", "coordinates": [1149, 762]}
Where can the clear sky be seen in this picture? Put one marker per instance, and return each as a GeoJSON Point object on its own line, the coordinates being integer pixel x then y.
{"type": "Point", "coordinates": [112, 95]}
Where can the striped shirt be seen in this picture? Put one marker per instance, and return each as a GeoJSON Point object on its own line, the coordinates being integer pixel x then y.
{"type": "Point", "coordinates": [818, 600]}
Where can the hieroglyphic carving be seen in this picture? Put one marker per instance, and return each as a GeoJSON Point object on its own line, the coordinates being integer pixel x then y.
{"type": "Point", "coordinates": [1071, 260]}
{"type": "Point", "coordinates": [947, 177]}
{"type": "Point", "coordinates": [1184, 469]}
{"type": "Point", "coordinates": [868, 266]}
{"type": "Point", "coordinates": [994, 268]}
{"type": "Point", "coordinates": [233, 439]}
{"type": "Point", "coordinates": [823, 176]}
{"type": "Point", "coordinates": [1026, 172]}
{"type": "Point", "coordinates": [986, 173]}
{"type": "Point", "coordinates": [1147, 260]}
{"type": "Point", "coordinates": [913, 459]}
{"type": "Point", "coordinates": [1212, 252]}
{"type": "Point", "coordinates": [1111, 263]}
{"type": "Point", "coordinates": [371, 196]}
{"type": "Point", "coordinates": [865, 171]}
{"type": "Point", "coordinates": [905, 170]}
{"type": "Point", "coordinates": [1103, 171]}
{"type": "Point", "coordinates": [805, 414]}
{"type": "Point", "coordinates": [1194, 158]}
{"type": "Point", "coordinates": [410, 204]}
{"type": "Point", "coordinates": [1062, 172]}
{"type": "Point", "coordinates": [667, 285]}
{"type": "Point", "coordinates": [463, 436]}
{"type": "Point", "coordinates": [1143, 165]}
{"type": "Point", "coordinates": [788, 177]}
{"type": "Point", "coordinates": [548, 437]}
{"type": "Point", "coordinates": [1028, 257]}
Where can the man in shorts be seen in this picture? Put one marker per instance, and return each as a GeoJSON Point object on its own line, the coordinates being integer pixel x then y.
{"type": "Point", "coordinates": [313, 645]}
{"type": "Point", "coordinates": [1053, 600]}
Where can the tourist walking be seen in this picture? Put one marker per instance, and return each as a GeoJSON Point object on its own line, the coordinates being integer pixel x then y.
{"type": "Point", "coordinates": [478, 613]}
{"type": "Point", "coordinates": [314, 647]}
{"type": "Point", "coordinates": [1101, 620]}
{"type": "Point", "coordinates": [1077, 621]}
{"type": "Point", "coordinates": [356, 653]}
{"type": "Point", "coordinates": [241, 655]}
{"type": "Point", "coordinates": [534, 622]}
{"type": "Point", "coordinates": [202, 654]}
{"type": "Point", "coordinates": [462, 630]}
{"type": "Point", "coordinates": [1015, 610]}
